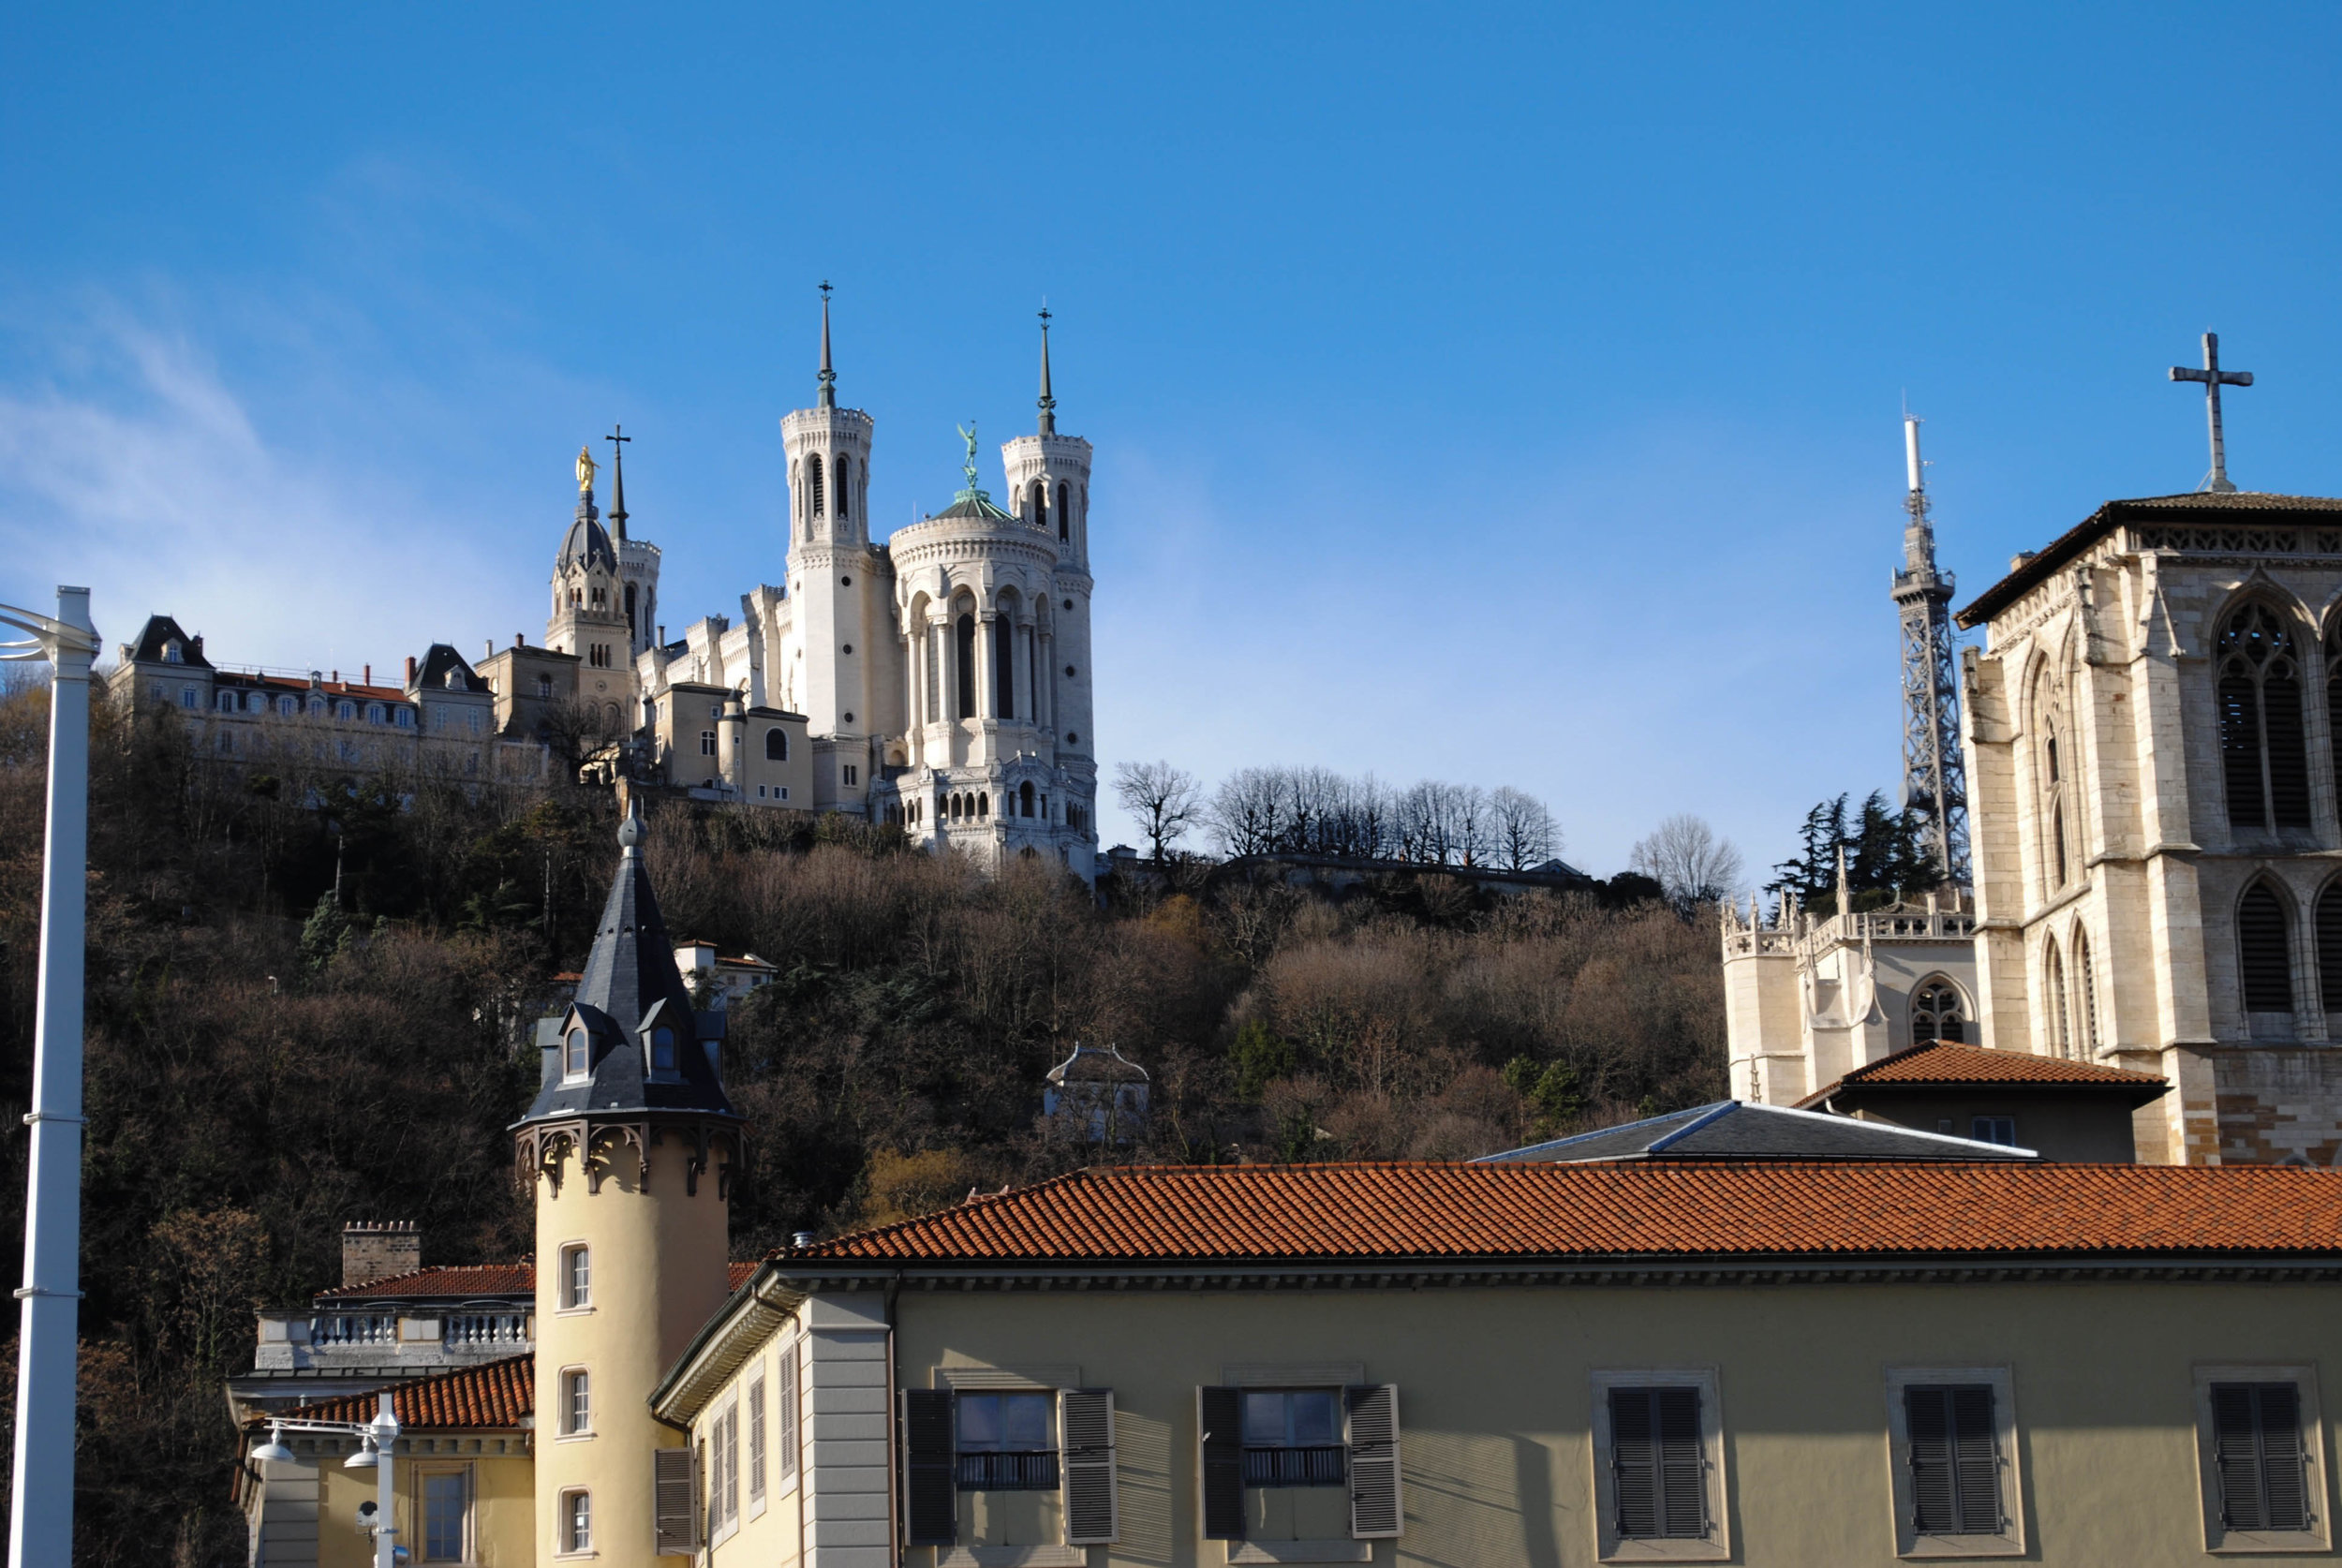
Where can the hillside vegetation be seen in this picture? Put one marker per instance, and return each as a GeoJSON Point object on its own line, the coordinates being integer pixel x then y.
{"type": "Point", "coordinates": [265, 1063]}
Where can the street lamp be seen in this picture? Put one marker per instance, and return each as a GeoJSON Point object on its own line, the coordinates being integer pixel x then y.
{"type": "Point", "coordinates": [378, 1452]}
{"type": "Point", "coordinates": [40, 1516]}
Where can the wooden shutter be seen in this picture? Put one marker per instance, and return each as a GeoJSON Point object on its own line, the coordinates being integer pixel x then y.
{"type": "Point", "coordinates": [1682, 1464]}
{"type": "Point", "coordinates": [931, 1498]}
{"type": "Point", "coordinates": [1976, 1459]}
{"type": "Point", "coordinates": [1219, 1428]}
{"type": "Point", "coordinates": [675, 1501]}
{"type": "Point", "coordinates": [1634, 1462]}
{"type": "Point", "coordinates": [2256, 1449]}
{"type": "Point", "coordinates": [1086, 1423]}
{"type": "Point", "coordinates": [1375, 1499]}
{"type": "Point", "coordinates": [1954, 1458]}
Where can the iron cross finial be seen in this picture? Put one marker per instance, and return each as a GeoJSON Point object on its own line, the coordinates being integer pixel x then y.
{"type": "Point", "coordinates": [2214, 379]}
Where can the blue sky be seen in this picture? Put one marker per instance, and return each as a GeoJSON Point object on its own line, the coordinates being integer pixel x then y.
{"type": "Point", "coordinates": [1499, 395]}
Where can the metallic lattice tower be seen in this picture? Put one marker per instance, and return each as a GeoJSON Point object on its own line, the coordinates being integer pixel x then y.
{"type": "Point", "coordinates": [1934, 779]}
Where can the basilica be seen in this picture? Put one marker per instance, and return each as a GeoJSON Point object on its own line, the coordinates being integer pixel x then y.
{"type": "Point", "coordinates": [937, 680]}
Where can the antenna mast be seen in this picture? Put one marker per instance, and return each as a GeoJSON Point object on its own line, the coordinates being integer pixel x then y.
{"type": "Point", "coordinates": [1934, 776]}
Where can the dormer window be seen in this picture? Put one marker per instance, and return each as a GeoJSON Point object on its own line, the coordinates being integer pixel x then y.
{"type": "Point", "coordinates": [662, 1049]}
{"type": "Point", "coordinates": [454, 680]}
{"type": "Point", "coordinates": [575, 1062]}
{"type": "Point", "coordinates": [174, 652]}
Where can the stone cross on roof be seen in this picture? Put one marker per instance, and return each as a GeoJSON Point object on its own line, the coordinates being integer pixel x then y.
{"type": "Point", "coordinates": [2214, 379]}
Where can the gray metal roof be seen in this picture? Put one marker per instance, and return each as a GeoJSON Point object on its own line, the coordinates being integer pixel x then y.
{"type": "Point", "coordinates": [1731, 1129]}
{"type": "Point", "coordinates": [632, 987]}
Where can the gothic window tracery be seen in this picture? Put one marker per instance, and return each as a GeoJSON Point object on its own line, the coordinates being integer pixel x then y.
{"type": "Point", "coordinates": [2264, 758]}
{"type": "Point", "coordinates": [2085, 1000]}
{"type": "Point", "coordinates": [2061, 1036]}
{"type": "Point", "coordinates": [2264, 951]}
{"type": "Point", "coordinates": [1936, 1015]}
{"type": "Point", "coordinates": [2053, 767]}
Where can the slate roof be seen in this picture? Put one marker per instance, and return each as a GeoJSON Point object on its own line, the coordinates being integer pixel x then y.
{"type": "Point", "coordinates": [632, 985]}
{"type": "Point", "coordinates": [588, 540]}
{"type": "Point", "coordinates": [1379, 1213]}
{"type": "Point", "coordinates": [1731, 1129]}
{"type": "Point", "coordinates": [161, 629]}
{"type": "Point", "coordinates": [455, 1282]}
{"type": "Point", "coordinates": [440, 662]}
{"type": "Point", "coordinates": [2202, 506]}
{"type": "Point", "coordinates": [493, 1396]}
{"type": "Point", "coordinates": [1941, 1066]}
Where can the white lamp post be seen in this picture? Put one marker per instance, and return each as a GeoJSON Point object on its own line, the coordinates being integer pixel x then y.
{"type": "Point", "coordinates": [379, 1453]}
{"type": "Point", "coordinates": [40, 1520]}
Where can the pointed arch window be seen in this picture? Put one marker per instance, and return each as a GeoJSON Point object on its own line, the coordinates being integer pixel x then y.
{"type": "Point", "coordinates": [1005, 665]}
{"type": "Point", "coordinates": [964, 636]}
{"type": "Point", "coordinates": [2061, 1036]}
{"type": "Point", "coordinates": [845, 486]}
{"type": "Point", "coordinates": [1064, 514]}
{"type": "Point", "coordinates": [2264, 758]}
{"type": "Point", "coordinates": [1040, 504]}
{"type": "Point", "coordinates": [1936, 1015]}
{"type": "Point", "coordinates": [813, 483]}
{"type": "Point", "coordinates": [2264, 951]}
{"type": "Point", "coordinates": [2086, 998]}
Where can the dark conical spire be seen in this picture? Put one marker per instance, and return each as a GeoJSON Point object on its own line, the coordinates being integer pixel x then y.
{"type": "Point", "coordinates": [647, 1050]}
{"type": "Point", "coordinates": [1048, 403]}
{"type": "Point", "coordinates": [829, 377]}
{"type": "Point", "coordinates": [617, 439]}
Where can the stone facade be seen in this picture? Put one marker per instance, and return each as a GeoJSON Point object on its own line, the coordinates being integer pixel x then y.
{"type": "Point", "coordinates": [939, 682]}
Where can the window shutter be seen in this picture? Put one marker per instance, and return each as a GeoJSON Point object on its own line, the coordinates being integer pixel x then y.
{"type": "Point", "coordinates": [675, 1491]}
{"type": "Point", "coordinates": [1634, 1462]}
{"type": "Point", "coordinates": [2281, 1479]}
{"type": "Point", "coordinates": [1086, 1419]}
{"type": "Point", "coordinates": [1926, 1413]}
{"type": "Point", "coordinates": [1374, 1504]}
{"type": "Point", "coordinates": [930, 1501]}
{"type": "Point", "coordinates": [1220, 1425]}
{"type": "Point", "coordinates": [1683, 1467]}
{"type": "Point", "coordinates": [1976, 1459]}
{"type": "Point", "coordinates": [2257, 1448]}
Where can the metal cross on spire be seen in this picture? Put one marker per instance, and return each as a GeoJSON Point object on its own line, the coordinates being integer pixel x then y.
{"type": "Point", "coordinates": [2214, 379]}
{"type": "Point", "coordinates": [1048, 403]}
{"type": "Point", "coordinates": [617, 479]}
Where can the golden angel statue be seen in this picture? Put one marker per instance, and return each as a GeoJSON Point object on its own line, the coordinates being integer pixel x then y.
{"type": "Point", "coordinates": [585, 470]}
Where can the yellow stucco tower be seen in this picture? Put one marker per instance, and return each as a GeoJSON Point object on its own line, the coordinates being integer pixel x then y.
{"type": "Point", "coordinates": [631, 1148]}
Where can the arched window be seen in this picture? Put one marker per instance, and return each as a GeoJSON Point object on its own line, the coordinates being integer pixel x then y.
{"type": "Point", "coordinates": [2057, 844]}
{"type": "Point", "coordinates": [984, 802]}
{"type": "Point", "coordinates": [813, 483]}
{"type": "Point", "coordinates": [1063, 513]}
{"type": "Point", "coordinates": [2329, 947]}
{"type": "Point", "coordinates": [1935, 1014]}
{"type": "Point", "coordinates": [227, 702]}
{"type": "Point", "coordinates": [2264, 951]}
{"type": "Point", "coordinates": [776, 746]}
{"type": "Point", "coordinates": [1024, 799]}
{"type": "Point", "coordinates": [951, 808]}
{"type": "Point", "coordinates": [2263, 757]}
{"type": "Point", "coordinates": [576, 1063]}
{"type": "Point", "coordinates": [965, 632]}
{"type": "Point", "coordinates": [287, 706]}
{"type": "Point", "coordinates": [2086, 998]}
{"type": "Point", "coordinates": [1039, 512]}
{"type": "Point", "coordinates": [345, 710]}
{"type": "Point", "coordinates": [630, 608]}
{"type": "Point", "coordinates": [2054, 967]}
{"type": "Point", "coordinates": [845, 486]}
{"type": "Point", "coordinates": [1004, 664]}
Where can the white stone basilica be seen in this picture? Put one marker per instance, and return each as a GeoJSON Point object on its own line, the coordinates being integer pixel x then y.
{"type": "Point", "coordinates": [940, 681]}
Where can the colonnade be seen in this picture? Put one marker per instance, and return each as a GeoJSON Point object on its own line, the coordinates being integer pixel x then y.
{"type": "Point", "coordinates": [933, 677]}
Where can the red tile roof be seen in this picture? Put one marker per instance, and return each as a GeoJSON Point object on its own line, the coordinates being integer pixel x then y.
{"type": "Point", "coordinates": [460, 1281]}
{"type": "Point", "coordinates": [1433, 1211]}
{"type": "Point", "coordinates": [738, 1272]}
{"type": "Point", "coordinates": [466, 1281]}
{"type": "Point", "coordinates": [494, 1394]}
{"type": "Point", "coordinates": [1975, 1064]}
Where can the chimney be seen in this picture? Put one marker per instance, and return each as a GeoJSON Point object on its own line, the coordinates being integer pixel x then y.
{"type": "Point", "coordinates": [410, 669]}
{"type": "Point", "coordinates": [368, 678]}
{"type": "Point", "coordinates": [376, 1249]}
{"type": "Point", "coordinates": [520, 639]}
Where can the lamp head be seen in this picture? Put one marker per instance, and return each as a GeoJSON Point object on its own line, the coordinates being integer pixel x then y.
{"type": "Point", "coordinates": [365, 1458]}
{"type": "Point", "coordinates": [273, 1451]}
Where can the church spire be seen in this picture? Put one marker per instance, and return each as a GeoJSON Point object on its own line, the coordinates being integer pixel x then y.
{"type": "Point", "coordinates": [1048, 403]}
{"type": "Point", "coordinates": [829, 377]}
{"type": "Point", "coordinates": [618, 480]}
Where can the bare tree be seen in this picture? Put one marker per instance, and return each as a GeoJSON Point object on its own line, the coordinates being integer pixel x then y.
{"type": "Point", "coordinates": [1164, 799]}
{"type": "Point", "coordinates": [1246, 813]}
{"type": "Point", "coordinates": [1521, 829]}
{"type": "Point", "coordinates": [1687, 860]}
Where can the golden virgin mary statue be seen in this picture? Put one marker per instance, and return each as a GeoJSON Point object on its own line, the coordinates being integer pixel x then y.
{"type": "Point", "coordinates": [585, 470]}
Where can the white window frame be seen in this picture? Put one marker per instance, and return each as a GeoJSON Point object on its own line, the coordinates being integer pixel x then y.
{"type": "Point", "coordinates": [564, 1416]}
{"type": "Point", "coordinates": [2217, 1538]}
{"type": "Point", "coordinates": [723, 1470]}
{"type": "Point", "coordinates": [788, 1412]}
{"type": "Point", "coordinates": [565, 1543]}
{"type": "Point", "coordinates": [1610, 1545]}
{"type": "Point", "coordinates": [469, 1550]}
{"type": "Point", "coordinates": [570, 1300]}
{"type": "Point", "coordinates": [2009, 1542]}
{"type": "Point", "coordinates": [759, 1441]}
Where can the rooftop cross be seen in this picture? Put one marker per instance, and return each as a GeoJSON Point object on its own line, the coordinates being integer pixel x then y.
{"type": "Point", "coordinates": [2214, 379]}
{"type": "Point", "coordinates": [617, 479]}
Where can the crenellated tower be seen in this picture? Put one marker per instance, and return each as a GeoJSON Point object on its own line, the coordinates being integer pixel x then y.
{"type": "Point", "coordinates": [638, 559]}
{"type": "Point", "coordinates": [630, 1149]}
{"type": "Point", "coordinates": [1048, 484]}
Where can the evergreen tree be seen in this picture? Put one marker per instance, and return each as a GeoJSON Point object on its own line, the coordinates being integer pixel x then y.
{"type": "Point", "coordinates": [1886, 855]}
